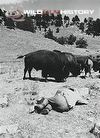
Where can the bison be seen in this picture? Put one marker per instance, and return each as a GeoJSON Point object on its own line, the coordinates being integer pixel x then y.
{"type": "Point", "coordinates": [86, 64]}
{"type": "Point", "coordinates": [96, 62]}
{"type": "Point", "coordinates": [70, 62]}
{"type": "Point", "coordinates": [49, 62]}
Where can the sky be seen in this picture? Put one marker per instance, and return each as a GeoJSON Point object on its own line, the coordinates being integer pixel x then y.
{"type": "Point", "coordinates": [56, 4]}
{"type": "Point", "coordinates": [7, 1]}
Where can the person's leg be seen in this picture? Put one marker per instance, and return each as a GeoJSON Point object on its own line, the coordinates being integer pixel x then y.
{"type": "Point", "coordinates": [40, 107]}
{"type": "Point", "coordinates": [59, 103]}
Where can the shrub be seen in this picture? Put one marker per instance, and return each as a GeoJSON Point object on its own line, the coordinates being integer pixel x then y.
{"type": "Point", "coordinates": [81, 26]}
{"type": "Point", "coordinates": [9, 23]}
{"type": "Point", "coordinates": [62, 40]}
{"type": "Point", "coordinates": [57, 30]}
{"type": "Point", "coordinates": [55, 38]}
{"type": "Point", "coordinates": [49, 34]}
{"type": "Point", "coordinates": [71, 39]}
{"type": "Point", "coordinates": [67, 40]}
{"type": "Point", "coordinates": [81, 43]}
{"type": "Point", "coordinates": [26, 25]}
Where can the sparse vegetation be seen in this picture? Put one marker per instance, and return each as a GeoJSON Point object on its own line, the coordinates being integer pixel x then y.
{"type": "Point", "coordinates": [9, 23]}
{"type": "Point", "coordinates": [49, 34]}
{"type": "Point", "coordinates": [57, 30]}
{"type": "Point", "coordinates": [26, 25]}
{"type": "Point", "coordinates": [81, 27]}
{"type": "Point", "coordinates": [81, 43]}
{"type": "Point", "coordinates": [71, 39]}
{"type": "Point", "coordinates": [61, 40]}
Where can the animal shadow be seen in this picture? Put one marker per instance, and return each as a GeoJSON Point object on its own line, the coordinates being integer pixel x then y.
{"type": "Point", "coordinates": [82, 77]}
{"type": "Point", "coordinates": [41, 79]}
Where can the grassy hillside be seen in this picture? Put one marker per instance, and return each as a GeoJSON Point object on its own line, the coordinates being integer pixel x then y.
{"type": "Point", "coordinates": [93, 43]}
{"type": "Point", "coordinates": [17, 42]}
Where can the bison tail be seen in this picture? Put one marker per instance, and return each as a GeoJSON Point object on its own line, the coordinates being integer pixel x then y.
{"type": "Point", "coordinates": [20, 56]}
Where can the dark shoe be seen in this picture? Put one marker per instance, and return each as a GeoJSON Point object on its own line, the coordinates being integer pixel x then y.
{"type": "Point", "coordinates": [38, 108]}
{"type": "Point", "coordinates": [45, 111]}
{"type": "Point", "coordinates": [24, 78]}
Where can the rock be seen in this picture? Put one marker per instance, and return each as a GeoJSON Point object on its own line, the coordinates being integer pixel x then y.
{"type": "Point", "coordinates": [3, 101]}
{"type": "Point", "coordinates": [96, 128]}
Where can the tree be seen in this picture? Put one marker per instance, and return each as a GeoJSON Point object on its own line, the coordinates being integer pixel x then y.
{"type": "Point", "coordinates": [66, 19]}
{"type": "Point", "coordinates": [85, 20]}
{"type": "Point", "coordinates": [9, 23]}
{"type": "Point", "coordinates": [90, 19]}
{"type": "Point", "coordinates": [81, 43]}
{"type": "Point", "coordinates": [57, 30]}
{"type": "Point", "coordinates": [45, 19]}
{"type": "Point", "coordinates": [96, 27]}
{"type": "Point", "coordinates": [58, 20]}
{"type": "Point", "coordinates": [71, 39]}
{"type": "Point", "coordinates": [49, 34]}
{"type": "Point", "coordinates": [75, 20]}
{"type": "Point", "coordinates": [38, 19]}
{"type": "Point", "coordinates": [52, 17]}
{"type": "Point", "coordinates": [26, 25]}
{"type": "Point", "coordinates": [81, 27]}
{"type": "Point", "coordinates": [90, 27]}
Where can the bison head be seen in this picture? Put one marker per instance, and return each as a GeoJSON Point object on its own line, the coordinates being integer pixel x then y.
{"type": "Point", "coordinates": [96, 65]}
{"type": "Point", "coordinates": [76, 70]}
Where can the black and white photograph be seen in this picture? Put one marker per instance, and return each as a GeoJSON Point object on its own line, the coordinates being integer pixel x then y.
{"type": "Point", "coordinates": [49, 69]}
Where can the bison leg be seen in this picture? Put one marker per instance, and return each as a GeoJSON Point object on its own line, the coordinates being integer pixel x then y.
{"type": "Point", "coordinates": [29, 71]}
{"type": "Point", "coordinates": [44, 74]}
{"type": "Point", "coordinates": [90, 72]}
{"type": "Point", "coordinates": [59, 79]}
{"type": "Point", "coordinates": [86, 71]}
{"type": "Point", "coordinates": [66, 76]}
{"type": "Point", "coordinates": [25, 70]}
{"type": "Point", "coordinates": [65, 72]}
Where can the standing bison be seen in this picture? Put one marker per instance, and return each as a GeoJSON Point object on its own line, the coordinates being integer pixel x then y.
{"type": "Point", "coordinates": [96, 62]}
{"type": "Point", "coordinates": [49, 62]}
{"type": "Point", "coordinates": [85, 63]}
{"type": "Point", "coordinates": [70, 62]}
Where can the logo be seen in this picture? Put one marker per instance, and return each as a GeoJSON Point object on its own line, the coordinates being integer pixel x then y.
{"type": "Point", "coordinates": [15, 15]}
{"type": "Point", "coordinates": [64, 12]}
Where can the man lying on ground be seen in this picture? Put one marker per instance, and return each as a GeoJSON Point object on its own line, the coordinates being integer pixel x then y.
{"type": "Point", "coordinates": [64, 100]}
